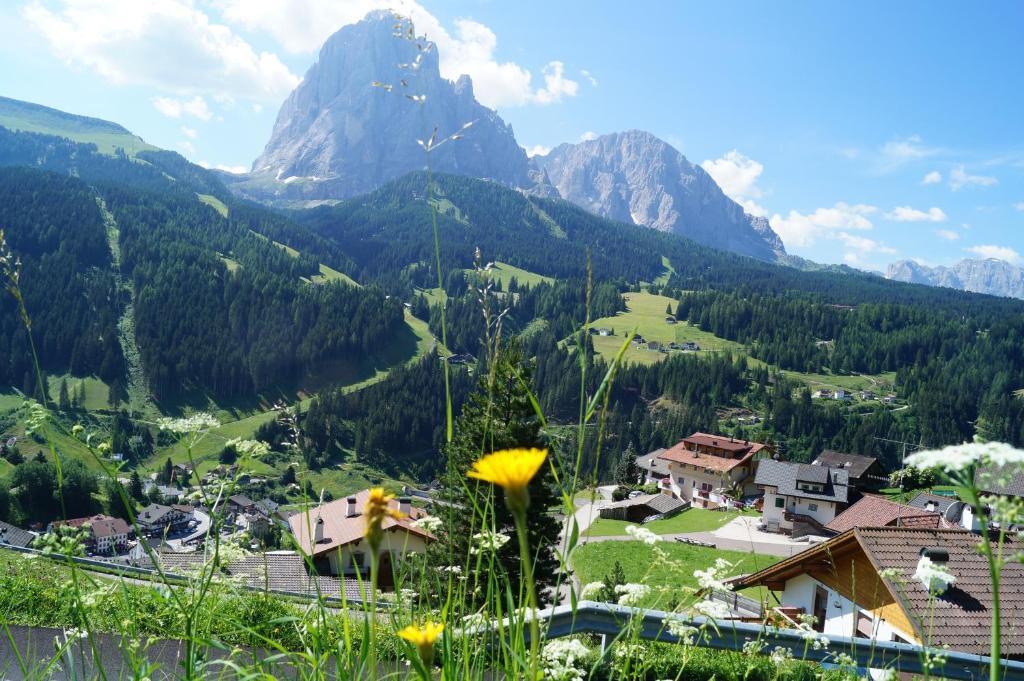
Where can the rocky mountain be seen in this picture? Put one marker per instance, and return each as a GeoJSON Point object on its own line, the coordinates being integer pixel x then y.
{"type": "Point", "coordinates": [356, 120]}
{"type": "Point", "coordinates": [995, 277]}
{"type": "Point", "coordinates": [635, 177]}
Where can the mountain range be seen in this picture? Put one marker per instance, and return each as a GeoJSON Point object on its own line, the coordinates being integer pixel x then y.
{"type": "Point", "coordinates": [995, 277]}
{"type": "Point", "coordinates": [375, 93]}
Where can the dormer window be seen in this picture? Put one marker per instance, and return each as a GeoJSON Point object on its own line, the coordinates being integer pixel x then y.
{"type": "Point", "coordinates": [810, 486]}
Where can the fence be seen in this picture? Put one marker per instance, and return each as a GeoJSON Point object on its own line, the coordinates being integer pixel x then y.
{"type": "Point", "coordinates": [737, 602]}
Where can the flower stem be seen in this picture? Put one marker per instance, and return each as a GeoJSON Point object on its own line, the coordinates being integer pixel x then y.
{"type": "Point", "coordinates": [527, 573]}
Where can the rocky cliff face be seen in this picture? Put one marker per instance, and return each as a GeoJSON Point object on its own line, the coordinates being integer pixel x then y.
{"type": "Point", "coordinates": [635, 177]}
{"type": "Point", "coordinates": [338, 135]}
{"type": "Point", "coordinates": [995, 277]}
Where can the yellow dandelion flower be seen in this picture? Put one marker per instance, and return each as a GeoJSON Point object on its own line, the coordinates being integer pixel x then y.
{"type": "Point", "coordinates": [423, 638]}
{"type": "Point", "coordinates": [511, 469]}
{"type": "Point", "coordinates": [378, 507]}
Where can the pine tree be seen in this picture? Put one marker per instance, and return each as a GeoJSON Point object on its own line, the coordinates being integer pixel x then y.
{"type": "Point", "coordinates": [168, 472]}
{"type": "Point", "coordinates": [135, 487]}
{"type": "Point", "coordinates": [64, 399]}
{"type": "Point", "coordinates": [626, 471]}
{"type": "Point", "coordinates": [503, 420]}
{"type": "Point", "coordinates": [80, 395]}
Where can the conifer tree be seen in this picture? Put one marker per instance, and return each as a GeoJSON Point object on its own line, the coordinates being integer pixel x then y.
{"type": "Point", "coordinates": [63, 398]}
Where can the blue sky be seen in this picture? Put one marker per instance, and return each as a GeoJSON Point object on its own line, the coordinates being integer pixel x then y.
{"type": "Point", "coordinates": [867, 132]}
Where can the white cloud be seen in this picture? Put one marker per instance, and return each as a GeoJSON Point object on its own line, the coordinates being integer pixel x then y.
{"type": "Point", "coordinates": [556, 85]}
{"type": "Point", "coordinates": [960, 178]}
{"type": "Point", "coordinates": [737, 175]}
{"type": "Point", "coordinates": [189, 132]}
{"type": "Point", "coordinates": [590, 78]}
{"type": "Point", "coordinates": [538, 150]}
{"type": "Point", "coordinates": [237, 170]}
{"type": "Point", "coordinates": [863, 244]}
{"type": "Point", "coordinates": [169, 44]}
{"type": "Point", "coordinates": [903, 150]}
{"type": "Point", "coordinates": [998, 252]}
{"type": "Point", "coordinates": [187, 147]}
{"type": "Point", "coordinates": [176, 108]}
{"type": "Point", "coordinates": [301, 26]}
{"type": "Point", "coordinates": [947, 234]}
{"type": "Point", "coordinates": [798, 229]}
{"type": "Point", "coordinates": [588, 136]}
{"type": "Point", "coordinates": [908, 214]}
{"type": "Point", "coordinates": [1019, 205]}
{"type": "Point", "coordinates": [934, 177]}
{"type": "Point", "coordinates": [257, 108]}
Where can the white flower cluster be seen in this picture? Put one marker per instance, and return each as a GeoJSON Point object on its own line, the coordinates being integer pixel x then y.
{"type": "Point", "coordinates": [753, 647]}
{"type": "Point", "coordinates": [716, 610]}
{"type": "Point", "coordinates": [488, 541]}
{"type": "Point", "coordinates": [781, 655]}
{"type": "Point", "coordinates": [714, 578]}
{"type": "Point", "coordinates": [632, 594]}
{"type": "Point", "coordinates": [190, 424]}
{"type": "Point", "coordinates": [681, 630]}
{"type": "Point", "coordinates": [934, 577]}
{"type": "Point", "coordinates": [452, 569]}
{"type": "Point", "coordinates": [642, 534]}
{"type": "Point", "coordinates": [814, 639]}
{"type": "Point", "coordinates": [250, 448]}
{"type": "Point", "coordinates": [429, 523]}
{"type": "Point", "coordinates": [561, 657]}
{"type": "Point", "coordinates": [957, 458]}
{"type": "Point", "coordinates": [591, 590]}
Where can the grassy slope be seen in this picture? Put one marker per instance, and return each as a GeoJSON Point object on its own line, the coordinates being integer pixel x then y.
{"type": "Point", "coordinates": [504, 272]}
{"type": "Point", "coordinates": [690, 520]}
{"type": "Point", "coordinates": [593, 561]}
{"type": "Point", "coordinates": [106, 136]}
{"type": "Point", "coordinates": [214, 203]}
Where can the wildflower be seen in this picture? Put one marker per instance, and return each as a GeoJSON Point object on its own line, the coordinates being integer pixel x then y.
{"type": "Point", "coordinates": [684, 632]}
{"type": "Point", "coordinates": [957, 458]}
{"type": "Point", "coordinates": [511, 469]}
{"type": "Point", "coordinates": [77, 429]}
{"type": "Point", "coordinates": [429, 523]}
{"type": "Point", "coordinates": [488, 541]}
{"type": "Point", "coordinates": [592, 590]}
{"type": "Point", "coordinates": [753, 647]}
{"type": "Point", "coordinates": [560, 658]}
{"type": "Point", "coordinates": [195, 423]}
{"type": "Point", "coordinates": [453, 569]}
{"type": "Point", "coordinates": [642, 534]}
{"type": "Point", "coordinates": [845, 661]}
{"type": "Point", "coordinates": [712, 578]}
{"type": "Point", "coordinates": [378, 507]}
{"type": "Point", "coordinates": [632, 594]}
{"type": "Point", "coordinates": [250, 448]}
{"type": "Point", "coordinates": [716, 610]}
{"type": "Point", "coordinates": [934, 577]}
{"type": "Point", "coordinates": [423, 638]}
{"type": "Point", "coordinates": [103, 447]}
{"type": "Point", "coordinates": [812, 637]}
{"type": "Point", "coordinates": [781, 655]}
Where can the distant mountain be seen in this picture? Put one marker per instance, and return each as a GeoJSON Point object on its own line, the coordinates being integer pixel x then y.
{"type": "Point", "coordinates": [995, 277]}
{"type": "Point", "coordinates": [635, 177]}
{"type": "Point", "coordinates": [338, 135]}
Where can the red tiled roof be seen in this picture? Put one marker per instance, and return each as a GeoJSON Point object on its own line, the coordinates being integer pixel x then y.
{"type": "Point", "coordinates": [340, 530]}
{"type": "Point", "coordinates": [683, 452]}
{"type": "Point", "coordinates": [876, 511]}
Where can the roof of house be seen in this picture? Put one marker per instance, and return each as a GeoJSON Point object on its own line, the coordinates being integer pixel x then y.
{"type": "Point", "coordinates": [876, 511]}
{"type": "Point", "coordinates": [964, 610]}
{"type": "Point", "coordinates": [653, 462]}
{"type": "Point", "coordinates": [153, 513]}
{"type": "Point", "coordinates": [105, 526]}
{"type": "Point", "coordinates": [785, 475]}
{"type": "Point", "coordinates": [1003, 481]}
{"type": "Point", "coordinates": [268, 506]}
{"type": "Point", "coordinates": [276, 570]}
{"type": "Point", "coordinates": [939, 502]}
{"type": "Point", "coordinates": [683, 452]}
{"type": "Point", "coordinates": [241, 500]}
{"type": "Point", "coordinates": [339, 529]}
{"type": "Point", "coordinates": [854, 464]}
{"type": "Point", "coordinates": [15, 536]}
{"type": "Point", "coordinates": [659, 503]}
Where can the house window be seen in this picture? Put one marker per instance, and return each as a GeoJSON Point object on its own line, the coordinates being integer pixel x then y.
{"type": "Point", "coordinates": [705, 487]}
{"type": "Point", "coordinates": [780, 502]}
{"type": "Point", "coordinates": [681, 480]}
{"type": "Point", "coordinates": [812, 507]}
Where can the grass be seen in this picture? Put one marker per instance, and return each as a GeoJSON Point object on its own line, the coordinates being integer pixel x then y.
{"type": "Point", "coordinates": [877, 383]}
{"type": "Point", "coordinates": [646, 312]}
{"type": "Point", "coordinates": [106, 136]}
{"type": "Point", "coordinates": [690, 520]}
{"type": "Point", "coordinates": [232, 264]}
{"type": "Point", "coordinates": [503, 272]}
{"type": "Point", "coordinates": [215, 203]}
{"type": "Point", "coordinates": [329, 274]}
{"type": "Point", "coordinates": [593, 561]}
{"type": "Point", "coordinates": [663, 278]}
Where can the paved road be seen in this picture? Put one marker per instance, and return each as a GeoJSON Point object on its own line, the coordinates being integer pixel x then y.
{"type": "Point", "coordinates": [201, 529]}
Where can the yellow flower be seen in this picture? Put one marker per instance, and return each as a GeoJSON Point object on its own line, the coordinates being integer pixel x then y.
{"type": "Point", "coordinates": [511, 469]}
{"type": "Point", "coordinates": [378, 507]}
{"type": "Point", "coordinates": [423, 638]}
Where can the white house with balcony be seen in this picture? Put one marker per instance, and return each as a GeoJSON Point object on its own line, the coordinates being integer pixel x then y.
{"type": "Point", "coordinates": [711, 470]}
{"type": "Point", "coordinates": [800, 498]}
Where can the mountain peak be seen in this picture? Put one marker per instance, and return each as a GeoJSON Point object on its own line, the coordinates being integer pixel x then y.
{"type": "Point", "coordinates": [634, 176]}
{"type": "Point", "coordinates": [989, 275]}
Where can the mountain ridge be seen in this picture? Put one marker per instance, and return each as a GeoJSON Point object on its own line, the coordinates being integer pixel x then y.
{"type": "Point", "coordinates": [989, 275]}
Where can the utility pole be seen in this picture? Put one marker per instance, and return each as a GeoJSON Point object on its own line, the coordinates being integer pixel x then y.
{"type": "Point", "coordinates": [903, 455]}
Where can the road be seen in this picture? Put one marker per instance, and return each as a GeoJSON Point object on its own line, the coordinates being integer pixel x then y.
{"type": "Point", "coordinates": [201, 529]}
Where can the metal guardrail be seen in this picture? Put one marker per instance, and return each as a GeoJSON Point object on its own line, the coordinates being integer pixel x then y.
{"type": "Point", "coordinates": [612, 620]}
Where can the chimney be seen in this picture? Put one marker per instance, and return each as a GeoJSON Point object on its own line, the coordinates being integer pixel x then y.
{"type": "Point", "coordinates": [318, 533]}
{"type": "Point", "coordinates": [350, 507]}
{"type": "Point", "coordinates": [404, 505]}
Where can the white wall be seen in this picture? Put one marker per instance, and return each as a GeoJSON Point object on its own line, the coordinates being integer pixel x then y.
{"type": "Point", "coordinates": [768, 510]}
{"type": "Point", "coordinates": [398, 543]}
{"type": "Point", "coordinates": [824, 515]}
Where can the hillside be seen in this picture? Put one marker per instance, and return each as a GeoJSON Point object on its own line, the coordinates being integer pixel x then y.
{"type": "Point", "coordinates": [107, 136]}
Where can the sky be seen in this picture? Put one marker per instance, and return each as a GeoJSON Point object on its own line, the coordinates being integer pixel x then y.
{"type": "Point", "coordinates": [866, 132]}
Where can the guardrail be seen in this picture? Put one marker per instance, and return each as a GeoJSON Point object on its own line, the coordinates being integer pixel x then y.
{"type": "Point", "coordinates": [612, 620]}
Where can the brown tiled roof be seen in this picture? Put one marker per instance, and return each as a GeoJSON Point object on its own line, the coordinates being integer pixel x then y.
{"type": "Point", "coordinates": [960, 618]}
{"type": "Point", "coordinates": [15, 536]}
{"type": "Point", "coordinates": [858, 465]}
{"type": "Point", "coordinates": [683, 452]}
{"type": "Point", "coordinates": [1004, 481]}
{"type": "Point", "coordinates": [875, 511]}
{"type": "Point", "coordinates": [340, 530]}
{"type": "Point", "coordinates": [276, 571]}
{"type": "Point", "coordinates": [108, 527]}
